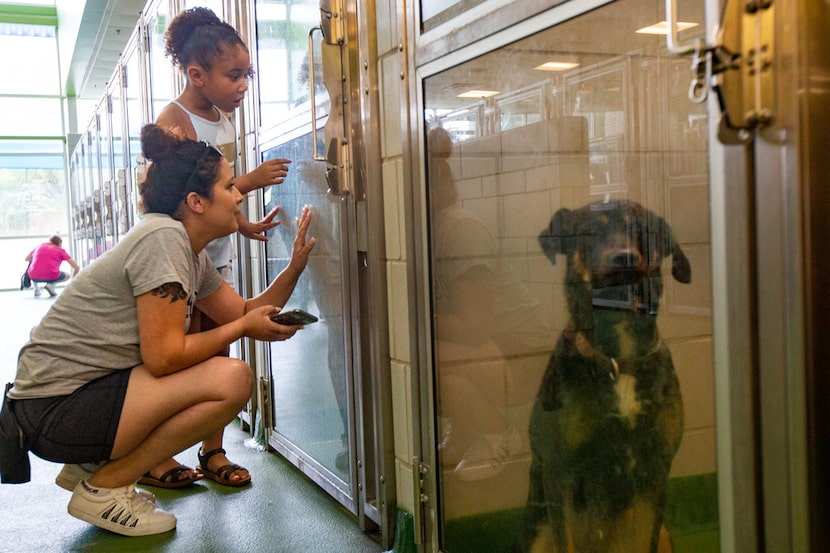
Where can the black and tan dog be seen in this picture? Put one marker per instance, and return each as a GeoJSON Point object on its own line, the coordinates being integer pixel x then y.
{"type": "Point", "coordinates": [608, 417]}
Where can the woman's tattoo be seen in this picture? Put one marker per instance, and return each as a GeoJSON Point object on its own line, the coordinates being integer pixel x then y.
{"type": "Point", "coordinates": [172, 290]}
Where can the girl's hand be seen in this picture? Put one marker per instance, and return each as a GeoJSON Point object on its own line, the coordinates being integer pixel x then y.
{"type": "Point", "coordinates": [260, 326]}
{"type": "Point", "coordinates": [272, 171]}
{"type": "Point", "coordinates": [302, 245]}
{"type": "Point", "coordinates": [256, 231]}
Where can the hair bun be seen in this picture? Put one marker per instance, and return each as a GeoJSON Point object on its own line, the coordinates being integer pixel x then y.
{"type": "Point", "coordinates": [158, 143]}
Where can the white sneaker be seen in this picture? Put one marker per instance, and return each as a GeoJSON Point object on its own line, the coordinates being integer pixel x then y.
{"type": "Point", "coordinates": [70, 475]}
{"type": "Point", "coordinates": [486, 457]}
{"type": "Point", "coordinates": [37, 292]}
{"type": "Point", "coordinates": [51, 289]}
{"type": "Point", "coordinates": [120, 510]}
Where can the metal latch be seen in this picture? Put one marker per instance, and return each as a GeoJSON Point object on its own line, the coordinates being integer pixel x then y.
{"type": "Point", "coordinates": [338, 149]}
{"type": "Point", "coordinates": [736, 66]}
{"type": "Point", "coordinates": [332, 22]}
{"type": "Point", "coordinates": [337, 168]}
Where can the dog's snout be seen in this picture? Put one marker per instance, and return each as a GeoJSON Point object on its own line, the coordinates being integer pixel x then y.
{"type": "Point", "coordinates": [624, 259]}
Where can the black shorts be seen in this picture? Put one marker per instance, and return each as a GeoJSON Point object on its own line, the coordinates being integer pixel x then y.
{"type": "Point", "coordinates": [78, 428]}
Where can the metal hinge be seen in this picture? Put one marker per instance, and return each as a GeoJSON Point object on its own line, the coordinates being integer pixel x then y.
{"type": "Point", "coordinates": [265, 403]}
{"type": "Point", "coordinates": [419, 474]}
{"type": "Point", "coordinates": [737, 66]}
{"type": "Point", "coordinates": [145, 37]}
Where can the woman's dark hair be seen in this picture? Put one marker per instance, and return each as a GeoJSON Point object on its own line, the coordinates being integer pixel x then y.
{"type": "Point", "coordinates": [179, 166]}
{"type": "Point", "coordinates": [198, 36]}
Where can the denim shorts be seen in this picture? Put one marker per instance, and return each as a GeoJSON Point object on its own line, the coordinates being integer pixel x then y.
{"type": "Point", "coordinates": [63, 276]}
{"type": "Point", "coordinates": [78, 428]}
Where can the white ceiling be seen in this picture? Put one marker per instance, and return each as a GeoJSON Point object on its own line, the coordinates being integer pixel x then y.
{"type": "Point", "coordinates": [105, 28]}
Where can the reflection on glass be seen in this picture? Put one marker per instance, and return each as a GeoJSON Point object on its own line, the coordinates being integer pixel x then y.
{"type": "Point", "coordinates": [162, 73]}
{"type": "Point", "coordinates": [282, 50]}
{"type": "Point", "coordinates": [134, 123]}
{"type": "Point", "coordinates": [435, 12]}
{"type": "Point", "coordinates": [105, 164]}
{"type": "Point", "coordinates": [309, 371]}
{"type": "Point", "coordinates": [572, 314]}
{"type": "Point", "coordinates": [119, 189]}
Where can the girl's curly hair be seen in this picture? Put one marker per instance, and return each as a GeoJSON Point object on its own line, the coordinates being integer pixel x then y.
{"type": "Point", "coordinates": [198, 36]}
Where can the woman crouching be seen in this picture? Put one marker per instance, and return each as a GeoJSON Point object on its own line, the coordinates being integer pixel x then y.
{"type": "Point", "coordinates": [111, 373]}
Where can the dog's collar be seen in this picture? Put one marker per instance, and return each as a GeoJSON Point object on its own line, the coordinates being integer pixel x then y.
{"type": "Point", "coordinates": [586, 349]}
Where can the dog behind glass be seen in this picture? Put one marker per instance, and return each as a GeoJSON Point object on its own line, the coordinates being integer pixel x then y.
{"type": "Point", "coordinates": [608, 417]}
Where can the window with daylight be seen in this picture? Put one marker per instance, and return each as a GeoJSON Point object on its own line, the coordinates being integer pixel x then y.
{"type": "Point", "coordinates": [33, 191]}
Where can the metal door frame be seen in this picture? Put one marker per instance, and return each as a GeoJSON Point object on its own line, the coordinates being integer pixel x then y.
{"type": "Point", "coordinates": [372, 495]}
{"type": "Point", "coordinates": [758, 346]}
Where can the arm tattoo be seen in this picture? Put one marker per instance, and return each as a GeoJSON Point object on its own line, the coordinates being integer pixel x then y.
{"type": "Point", "coordinates": [173, 290]}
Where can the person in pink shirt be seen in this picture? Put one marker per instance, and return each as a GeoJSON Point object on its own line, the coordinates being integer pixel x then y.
{"type": "Point", "coordinates": [45, 265]}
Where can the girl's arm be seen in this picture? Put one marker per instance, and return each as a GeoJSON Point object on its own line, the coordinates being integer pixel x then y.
{"type": "Point", "coordinates": [269, 172]}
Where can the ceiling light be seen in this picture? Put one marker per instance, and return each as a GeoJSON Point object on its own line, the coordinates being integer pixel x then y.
{"type": "Point", "coordinates": [556, 66]}
{"type": "Point", "coordinates": [662, 28]}
{"type": "Point", "coordinates": [478, 94]}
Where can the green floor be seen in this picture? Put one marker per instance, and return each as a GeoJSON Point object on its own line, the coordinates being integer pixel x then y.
{"type": "Point", "coordinates": [691, 517]}
{"type": "Point", "coordinates": [282, 511]}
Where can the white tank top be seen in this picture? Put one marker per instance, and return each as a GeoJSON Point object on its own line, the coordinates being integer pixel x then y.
{"type": "Point", "coordinates": [221, 134]}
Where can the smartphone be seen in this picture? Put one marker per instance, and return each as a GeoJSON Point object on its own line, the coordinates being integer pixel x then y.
{"type": "Point", "coordinates": [294, 317]}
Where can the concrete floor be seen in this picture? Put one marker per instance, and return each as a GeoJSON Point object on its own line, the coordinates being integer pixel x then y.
{"type": "Point", "coordinates": [282, 511]}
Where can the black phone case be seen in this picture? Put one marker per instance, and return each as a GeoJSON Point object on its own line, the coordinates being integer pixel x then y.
{"type": "Point", "coordinates": [294, 317]}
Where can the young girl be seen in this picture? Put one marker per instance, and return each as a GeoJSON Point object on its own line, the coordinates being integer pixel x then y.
{"type": "Point", "coordinates": [111, 372]}
{"type": "Point", "coordinates": [217, 66]}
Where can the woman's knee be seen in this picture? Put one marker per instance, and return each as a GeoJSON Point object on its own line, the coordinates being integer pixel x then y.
{"type": "Point", "coordinates": [237, 379]}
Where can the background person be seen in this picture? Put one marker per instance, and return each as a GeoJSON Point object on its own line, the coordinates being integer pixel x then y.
{"type": "Point", "coordinates": [45, 265]}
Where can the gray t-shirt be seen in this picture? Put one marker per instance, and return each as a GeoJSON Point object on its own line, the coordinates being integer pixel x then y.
{"type": "Point", "coordinates": [92, 328]}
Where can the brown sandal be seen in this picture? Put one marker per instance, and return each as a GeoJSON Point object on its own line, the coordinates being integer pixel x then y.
{"type": "Point", "coordinates": [172, 479]}
{"type": "Point", "coordinates": [222, 475]}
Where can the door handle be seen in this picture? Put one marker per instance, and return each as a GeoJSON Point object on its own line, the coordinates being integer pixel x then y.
{"type": "Point", "coordinates": [338, 154]}
{"type": "Point", "coordinates": [671, 33]}
{"type": "Point", "coordinates": [312, 95]}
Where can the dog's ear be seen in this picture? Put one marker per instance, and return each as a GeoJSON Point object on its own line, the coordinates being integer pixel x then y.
{"type": "Point", "coordinates": [557, 238]}
{"type": "Point", "coordinates": [665, 243]}
{"type": "Point", "coordinates": [681, 269]}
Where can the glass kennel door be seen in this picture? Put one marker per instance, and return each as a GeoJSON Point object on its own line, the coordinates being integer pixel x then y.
{"type": "Point", "coordinates": [568, 203]}
{"type": "Point", "coordinates": [311, 394]}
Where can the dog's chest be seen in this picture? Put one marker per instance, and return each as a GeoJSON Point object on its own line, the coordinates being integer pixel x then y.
{"type": "Point", "coordinates": [614, 401]}
{"type": "Point", "coordinates": [628, 404]}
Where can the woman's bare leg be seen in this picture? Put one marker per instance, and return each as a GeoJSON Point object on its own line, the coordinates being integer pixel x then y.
{"type": "Point", "coordinates": [162, 416]}
{"type": "Point", "coordinates": [220, 459]}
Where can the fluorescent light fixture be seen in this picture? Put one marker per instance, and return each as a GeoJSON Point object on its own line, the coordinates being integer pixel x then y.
{"type": "Point", "coordinates": [662, 28]}
{"type": "Point", "coordinates": [556, 66]}
{"type": "Point", "coordinates": [478, 93]}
